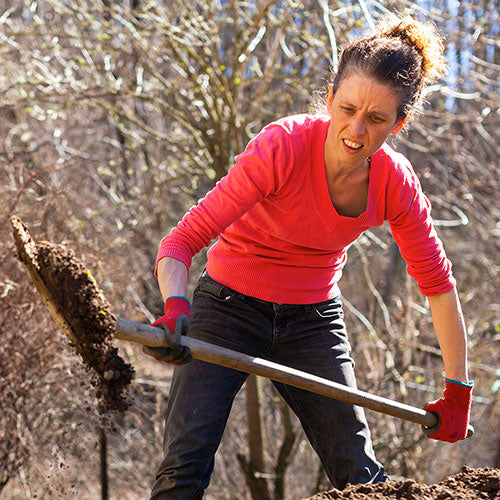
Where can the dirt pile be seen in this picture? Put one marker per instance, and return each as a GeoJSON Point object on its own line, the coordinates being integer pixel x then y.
{"type": "Point", "coordinates": [470, 484]}
{"type": "Point", "coordinates": [74, 299]}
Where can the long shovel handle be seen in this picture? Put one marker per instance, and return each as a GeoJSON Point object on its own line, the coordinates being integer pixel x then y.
{"type": "Point", "coordinates": [155, 337]}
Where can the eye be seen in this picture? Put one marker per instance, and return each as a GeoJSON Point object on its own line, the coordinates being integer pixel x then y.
{"type": "Point", "coordinates": [347, 109]}
{"type": "Point", "coordinates": [377, 119]}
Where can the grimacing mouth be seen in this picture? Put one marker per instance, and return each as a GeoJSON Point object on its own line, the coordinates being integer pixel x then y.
{"type": "Point", "coordinates": [352, 144]}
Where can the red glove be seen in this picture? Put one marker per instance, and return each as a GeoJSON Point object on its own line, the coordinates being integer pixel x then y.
{"type": "Point", "coordinates": [453, 410]}
{"type": "Point", "coordinates": [175, 322]}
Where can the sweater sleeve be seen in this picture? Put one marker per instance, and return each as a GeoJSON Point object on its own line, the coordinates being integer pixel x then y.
{"type": "Point", "coordinates": [259, 171]}
{"type": "Point", "coordinates": [414, 232]}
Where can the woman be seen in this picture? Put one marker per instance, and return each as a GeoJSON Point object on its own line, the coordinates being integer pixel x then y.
{"type": "Point", "coordinates": [304, 189]}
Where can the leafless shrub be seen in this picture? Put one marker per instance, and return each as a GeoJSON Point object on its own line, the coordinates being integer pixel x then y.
{"type": "Point", "coordinates": [116, 117]}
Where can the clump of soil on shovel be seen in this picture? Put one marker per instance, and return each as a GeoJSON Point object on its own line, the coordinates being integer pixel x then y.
{"type": "Point", "coordinates": [91, 320]}
{"type": "Point", "coordinates": [79, 307]}
{"type": "Point", "coordinates": [470, 484]}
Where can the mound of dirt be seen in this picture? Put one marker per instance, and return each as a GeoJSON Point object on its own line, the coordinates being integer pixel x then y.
{"type": "Point", "coordinates": [73, 297]}
{"type": "Point", "coordinates": [469, 484]}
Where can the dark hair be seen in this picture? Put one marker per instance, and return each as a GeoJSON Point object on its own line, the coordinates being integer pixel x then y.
{"type": "Point", "coordinates": [403, 53]}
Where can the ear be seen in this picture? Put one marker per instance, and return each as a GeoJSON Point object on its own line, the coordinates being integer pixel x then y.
{"type": "Point", "coordinates": [330, 97]}
{"type": "Point", "coordinates": [400, 124]}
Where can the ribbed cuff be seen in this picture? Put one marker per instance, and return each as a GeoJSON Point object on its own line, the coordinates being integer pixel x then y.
{"type": "Point", "coordinates": [470, 384]}
{"type": "Point", "coordinates": [179, 297]}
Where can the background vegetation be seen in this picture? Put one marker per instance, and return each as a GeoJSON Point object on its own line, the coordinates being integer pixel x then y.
{"type": "Point", "coordinates": [116, 117]}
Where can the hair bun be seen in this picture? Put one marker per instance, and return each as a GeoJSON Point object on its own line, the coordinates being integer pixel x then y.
{"type": "Point", "coordinates": [423, 36]}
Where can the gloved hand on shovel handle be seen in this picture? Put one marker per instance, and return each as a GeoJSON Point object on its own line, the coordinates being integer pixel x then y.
{"type": "Point", "coordinates": [453, 410]}
{"type": "Point", "coordinates": [175, 323]}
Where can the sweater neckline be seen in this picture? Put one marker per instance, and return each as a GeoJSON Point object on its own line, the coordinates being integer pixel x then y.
{"type": "Point", "coordinates": [326, 207]}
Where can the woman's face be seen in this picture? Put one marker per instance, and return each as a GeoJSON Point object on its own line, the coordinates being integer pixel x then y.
{"type": "Point", "coordinates": [363, 114]}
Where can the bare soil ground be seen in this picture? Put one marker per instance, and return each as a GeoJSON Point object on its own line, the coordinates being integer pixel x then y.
{"type": "Point", "coordinates": [469, 484]}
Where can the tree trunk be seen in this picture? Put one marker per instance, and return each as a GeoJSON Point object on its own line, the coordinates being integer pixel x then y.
{"type": "Point", "coordinates": [254, 466]}
{"type": "Point", "coordinates": [103, 445]}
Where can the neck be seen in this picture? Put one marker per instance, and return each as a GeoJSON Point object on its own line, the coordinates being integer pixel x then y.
{"type": "Point", "coordinates": [336, 169]}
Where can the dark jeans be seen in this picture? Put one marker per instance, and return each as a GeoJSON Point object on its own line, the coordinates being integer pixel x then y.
{"type": "Point", "coordinates": [309, 337]}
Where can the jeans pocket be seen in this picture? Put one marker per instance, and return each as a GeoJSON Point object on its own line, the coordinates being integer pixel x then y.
{"type": "Point", "coordinates": [331, 309]}
{"type": "Point", "coordinates": [207, 287]}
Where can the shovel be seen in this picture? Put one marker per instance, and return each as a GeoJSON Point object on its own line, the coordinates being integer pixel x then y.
{"type": "Point", "coordinates": [155, 337]}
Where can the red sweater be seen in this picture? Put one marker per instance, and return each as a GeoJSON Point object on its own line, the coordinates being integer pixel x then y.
{"type": "Point", "coordinates": [280, 238]}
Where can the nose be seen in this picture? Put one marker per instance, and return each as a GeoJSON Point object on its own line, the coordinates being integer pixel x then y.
{"type": "Point", "coordinates": [358, 125]}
